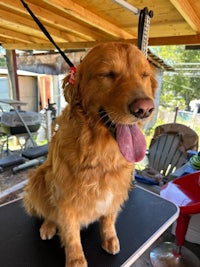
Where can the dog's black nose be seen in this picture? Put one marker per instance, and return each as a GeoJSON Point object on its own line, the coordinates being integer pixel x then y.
{"type": "Point", "coordinates": [142, 108]}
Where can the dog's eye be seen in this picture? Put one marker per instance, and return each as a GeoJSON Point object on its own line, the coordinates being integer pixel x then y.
{"type": "Point", "coordinates": [109, 74]}
{"type": "Point", "coordinates": [145, 74]}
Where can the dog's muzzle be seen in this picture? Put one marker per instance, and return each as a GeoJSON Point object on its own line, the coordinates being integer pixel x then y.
{"type": "Point", "coordinates": [142, 108]}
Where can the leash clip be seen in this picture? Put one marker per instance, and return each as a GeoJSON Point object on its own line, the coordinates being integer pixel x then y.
{"type": "Point", "coordinates": [72, 75]}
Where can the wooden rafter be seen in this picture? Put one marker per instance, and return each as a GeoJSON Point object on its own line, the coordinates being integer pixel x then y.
{"type": "Point", "coordinates": [188, 12]}
{"type": "Point", "coordinates": [72, 10]}
{"type": "Point", "coordinates": [20, 37]}
{"type": "Point", "coordinates": [173, 40]}
{"type": "Point", "coordinates": [29, 25]}
{"type": "Point", "coordinates": [46, 18]}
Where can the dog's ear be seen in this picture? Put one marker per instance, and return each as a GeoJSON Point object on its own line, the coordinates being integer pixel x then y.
{"type": "Point", "coordinates": [70, 89]}
{"type": "Point", "coordinates": [67, 88]}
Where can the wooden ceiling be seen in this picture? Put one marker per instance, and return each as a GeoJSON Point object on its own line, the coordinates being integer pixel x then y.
{"type": "Point", "coordinates": [75, 24]}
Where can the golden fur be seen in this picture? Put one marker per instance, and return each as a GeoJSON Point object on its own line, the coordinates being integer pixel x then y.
{"type": "Point", "coordinates": [85, 177]}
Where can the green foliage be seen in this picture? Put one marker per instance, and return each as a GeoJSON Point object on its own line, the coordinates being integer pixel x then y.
{"type": "Point", "coordinates": [150, 133]}
{"type": "Point", "coordinates": [3, 62]}
{"type": "Point", "coordinates": [183, 85]}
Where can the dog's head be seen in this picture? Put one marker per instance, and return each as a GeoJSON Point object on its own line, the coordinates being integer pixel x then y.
{"type": "Point", "coordinates": [115, 82]}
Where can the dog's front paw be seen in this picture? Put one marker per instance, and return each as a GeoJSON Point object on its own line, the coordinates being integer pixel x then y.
{"type": "Point", "coordinates": [111, 245]}
{"type": "Point", "coordinates": [77, 262]}
{"type": "Point", "coordinates": [47, 230]}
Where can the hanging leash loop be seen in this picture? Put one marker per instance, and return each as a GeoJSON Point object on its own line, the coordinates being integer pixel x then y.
{"type": "Point", "coordinates": [44, 30]}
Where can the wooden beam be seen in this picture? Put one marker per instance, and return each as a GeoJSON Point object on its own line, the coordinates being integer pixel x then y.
{"type": "Point", "coordinates": [18, 28]}
{"type": "Point", "coordinates": [12, 74]}
{"type": "Point", "coordinates": [24, 23]}
{"type": "Point", "coordinates": [185, 8]}
{"type": "Point", "coordinates": [71, 10]}
{"type": "Point", "coordinates": [19, 37]}
{"type": "Point", "coordinates": [49, 46]}
{"type": "Point", "coordinates": [62, 18]}
{"type": "Point", "coordinates": [156, 41]}
{"type": "Point", "coordinates": [52, 20]}
{"type": "Point", "coordinates": [175, 40]}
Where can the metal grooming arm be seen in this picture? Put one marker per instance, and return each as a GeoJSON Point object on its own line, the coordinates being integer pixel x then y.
{"type": "Point", "coordinates": [143, 29]}
{"type": "Point", "coordinates": [143, 26]}
{"type": "Point", "coordinates": [128, 6]}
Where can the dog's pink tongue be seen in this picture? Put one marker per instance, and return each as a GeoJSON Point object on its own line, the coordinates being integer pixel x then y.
{"type": "Point", "coordinates": [131, 142]}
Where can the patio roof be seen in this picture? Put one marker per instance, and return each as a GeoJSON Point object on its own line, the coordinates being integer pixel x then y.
{"type": "Point", "coordinates": [76, 24]}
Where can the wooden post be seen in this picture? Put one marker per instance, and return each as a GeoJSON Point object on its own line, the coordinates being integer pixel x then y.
{"type": "Point", "coordinates": [176, 114]}
{"type": "Point", "coordinates": [12, 74]}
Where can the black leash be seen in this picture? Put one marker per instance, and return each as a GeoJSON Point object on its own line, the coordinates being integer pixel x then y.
{"type": "Point", "coordinates": [44, 30]}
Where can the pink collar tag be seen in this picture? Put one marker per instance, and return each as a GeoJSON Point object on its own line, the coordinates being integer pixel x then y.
{"type": "Point", "coordinates": [72, 74]}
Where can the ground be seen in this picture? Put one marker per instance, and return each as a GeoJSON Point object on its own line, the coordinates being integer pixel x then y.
{"type": "Point", "coordinates": [8, 180]}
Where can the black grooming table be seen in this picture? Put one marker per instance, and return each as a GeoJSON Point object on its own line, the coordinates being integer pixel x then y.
{"type": "Point", "coordinates": [144, 218]}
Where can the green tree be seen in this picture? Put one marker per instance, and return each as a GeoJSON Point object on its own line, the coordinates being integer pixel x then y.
{"type": "Point", "coordinates": [2, 58]}
{"type": "Point", "coordinates": [182, 85]}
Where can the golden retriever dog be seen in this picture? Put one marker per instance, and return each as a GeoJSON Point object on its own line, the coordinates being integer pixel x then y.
{"type": "Point", "coordinates": [97, 139]}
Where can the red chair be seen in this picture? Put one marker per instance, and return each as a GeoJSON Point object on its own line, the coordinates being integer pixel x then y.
{"type": "Point", "coordinates": [185, 193]}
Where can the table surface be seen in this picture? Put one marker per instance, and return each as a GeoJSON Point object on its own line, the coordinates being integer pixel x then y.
{"type": "Point", "coordinates": [144, 217]}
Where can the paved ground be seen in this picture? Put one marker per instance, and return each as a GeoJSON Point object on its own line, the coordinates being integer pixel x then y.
{"type": "Point", "coordinates": [8, 180]}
